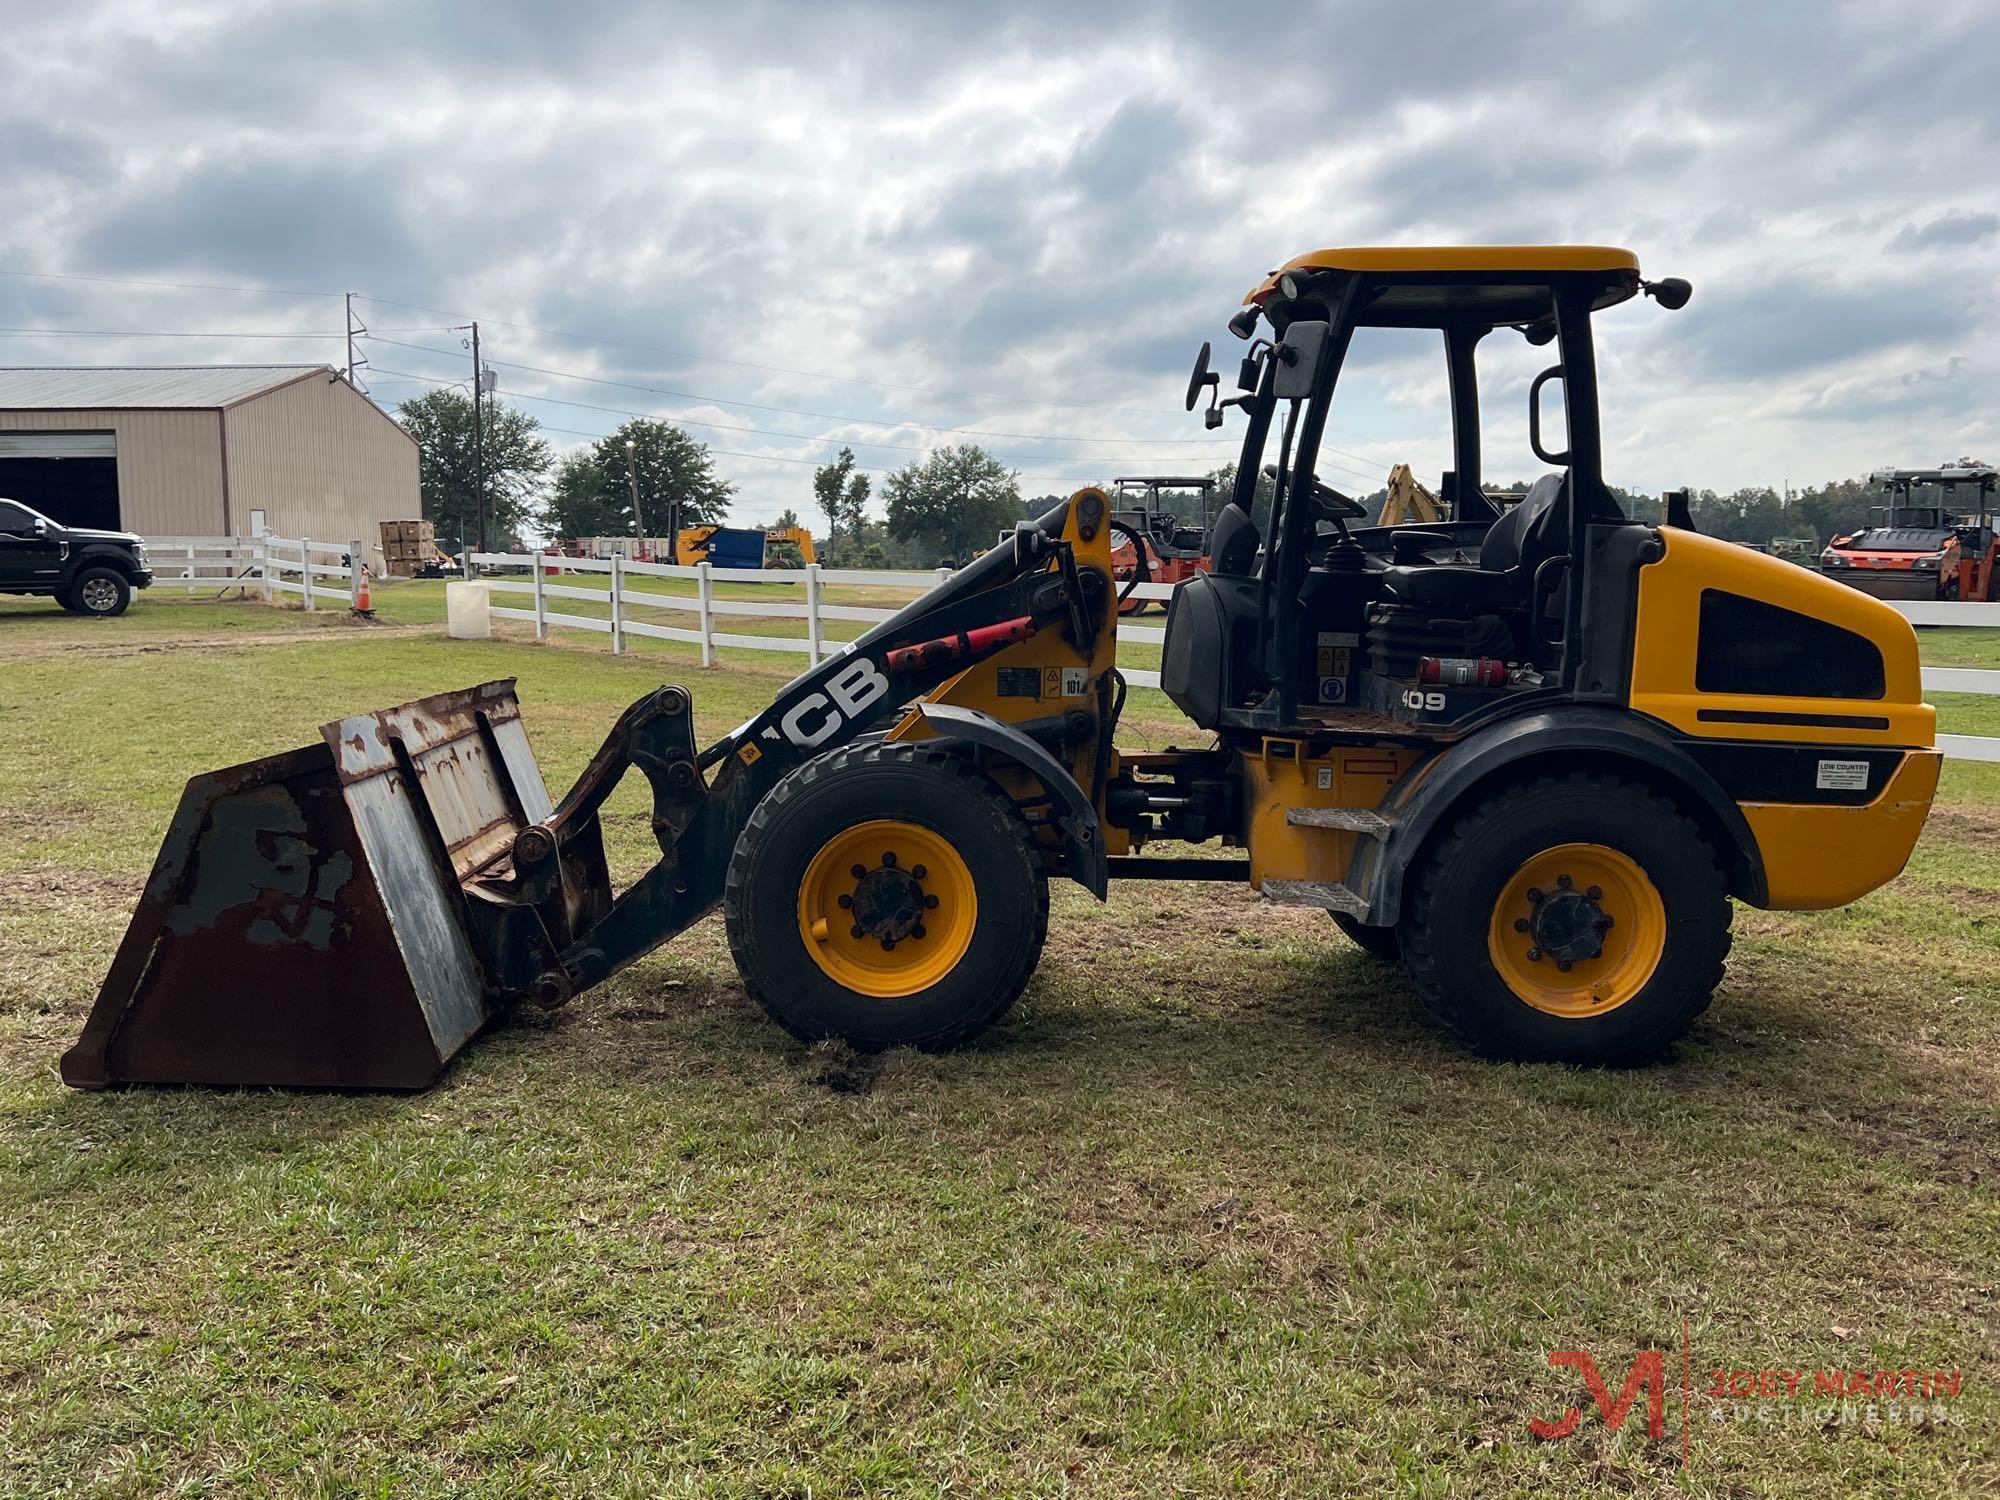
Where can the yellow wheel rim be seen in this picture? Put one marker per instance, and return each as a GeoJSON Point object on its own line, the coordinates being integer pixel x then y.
{"type": "Point", "coordinates": [1578, 930]}
{"type": "Point", "coordinates": [887, 908]}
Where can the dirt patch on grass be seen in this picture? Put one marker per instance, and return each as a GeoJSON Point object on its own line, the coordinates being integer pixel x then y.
{"type": "Point", "coordinates": [1964, 827]}
{"type": "Point", "coordinates": [20, 824]}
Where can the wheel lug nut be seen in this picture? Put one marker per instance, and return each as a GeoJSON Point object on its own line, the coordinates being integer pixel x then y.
{"type": "Point", "coordinates": [859, 872]}
{"type": "Point", "coordinates": [857, 931]}
{"type": "Point", "coordinates": [1595, 893]}
{"type": "Point", "coordinates": [1534, 955]}
{"type": "Point", "coordinates": [930, 903]}
{"type": "Point", "coordinates": [1563, 881]}
{"type": "Point", "coordinates": [918, 872]}
{"type": "Point", "coordinates": [1563, 964]}
{"type": "Point", "coordinates": [1535, 894]}
{"type": "Point", "coordinates": [889, 861]}
{"type": "Point", "coordinates": [846, 901]}
{"type": "Point", "coordinates": [1521, 924]}
{"type": "Point", "coordinates": [917, 931]}
{"type": "Point", "coordinates": [888, 944]}
{"type": "Point", "coordinates": [1604, 923]}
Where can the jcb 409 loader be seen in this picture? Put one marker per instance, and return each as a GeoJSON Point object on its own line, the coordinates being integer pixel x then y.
{"type": "Point", "coordinates": [1532, 755]}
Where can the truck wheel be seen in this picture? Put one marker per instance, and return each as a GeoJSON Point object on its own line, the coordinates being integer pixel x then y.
{"type": "Point", "coordinates": [1579, 919]}
{"type": "Point", "coordinates": [102, 592]}
{"type": "Point", "coordinates": [1379, 943]}
{"type": "Point", "coordinates": [888, 895]}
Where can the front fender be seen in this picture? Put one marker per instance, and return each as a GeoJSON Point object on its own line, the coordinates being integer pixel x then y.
{"type": "Point", "coordinates": [1083, 840]}
{"type": "Point", "coordinates": [1560, 738]}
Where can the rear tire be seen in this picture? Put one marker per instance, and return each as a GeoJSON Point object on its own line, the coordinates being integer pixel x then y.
{"type": "Point", "coordinates": [888, 895]}
{"type": "Point", "coordinates": [1511, 884]}
{"type": "Point", "coordinates": [100, 593]}
{"type": "Point", "coordinates": [1379, 943]}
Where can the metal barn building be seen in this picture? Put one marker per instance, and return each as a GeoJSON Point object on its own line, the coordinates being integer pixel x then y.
{"type": "Point", "coordinates": [205, 450]}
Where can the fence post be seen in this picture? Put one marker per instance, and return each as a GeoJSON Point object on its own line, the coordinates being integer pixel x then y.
{"type": "Point", "coordinates": [617, 604]}
{"type": "Point", "coordinates": [306, 568]}
{"type": "Point", "coordinates": [944, 575]}
{"type": "Point", "coordinates": [354, 566]}
{"type": "Point", "coordinates": [541, 602]}
{"type": "Point", "coordinates": [705, 590]}
{"type": "Point", "coordinates": [261, 545]}
{"type": "Point", "coordinates": [812, 614]}
{"type": "Point", "coordinates": [188, 552]}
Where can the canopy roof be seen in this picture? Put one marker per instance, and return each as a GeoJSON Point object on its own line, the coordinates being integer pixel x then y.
{"type": "Point", "coordinates": [1496, 283]}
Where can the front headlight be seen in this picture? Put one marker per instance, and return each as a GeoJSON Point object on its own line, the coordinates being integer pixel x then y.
{"type": "Point", "coordinates": [1832, 559]}
{"type": "Point", "coordinates": [139, 553]}
{"type": "Point", "coordinates": [1929, 563]}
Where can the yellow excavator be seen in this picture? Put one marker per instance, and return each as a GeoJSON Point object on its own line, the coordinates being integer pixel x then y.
{"type": "Point", "coordinates": [1531, 755]}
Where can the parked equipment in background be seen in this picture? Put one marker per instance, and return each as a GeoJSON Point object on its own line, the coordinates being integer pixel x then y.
{"type": "Point", "coordinates": [1159, 532]}
{"type": "Point", "coordinates": [1934, 539]}
{"type": "Point", "coordinates": [745, 547]}
{"type": "Point", "coordinates": [1409, 501]}
{"type": "Point", "coordinates": [1537, 776]}
{"type": "Point", "coordinates": [86, 572]}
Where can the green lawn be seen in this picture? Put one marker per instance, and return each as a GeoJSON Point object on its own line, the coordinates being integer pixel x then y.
{"type": "Point", "coordinates": [1213, 1212]}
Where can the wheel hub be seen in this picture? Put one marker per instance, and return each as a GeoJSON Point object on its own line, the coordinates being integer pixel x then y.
{"type": "Point", "coordinates": [1568, 925]}
{"type": "Point", "coordinates": [888, 902]}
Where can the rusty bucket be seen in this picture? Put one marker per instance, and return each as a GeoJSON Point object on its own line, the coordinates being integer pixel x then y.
{"type": "Point", "coordinates": [307, 921]}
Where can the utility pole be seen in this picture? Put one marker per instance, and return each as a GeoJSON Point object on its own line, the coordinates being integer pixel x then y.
{"type": "Point", "coordinates": [355, 328]}
{"type": "Point", "coordinates": [632, 478]}
{"type": "Point", "coordinates": [478, 441]}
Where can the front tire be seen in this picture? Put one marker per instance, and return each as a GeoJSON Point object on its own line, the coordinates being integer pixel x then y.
{"type": "Point", "coordinates": [1379, 943]}
{"type": "Point", "coordinates": [1578, 919]}
{"type": "Point", "coordinates": [888, 895]}
{"type": "Point", "coordinates": [100, 593]}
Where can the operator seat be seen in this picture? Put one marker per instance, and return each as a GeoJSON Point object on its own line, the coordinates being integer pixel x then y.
{"type": "Point", "coordinates": [1513, 548]}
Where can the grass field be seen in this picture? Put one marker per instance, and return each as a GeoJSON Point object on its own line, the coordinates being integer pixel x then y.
{"type": "Point", "coordinates": [1213, 1212]}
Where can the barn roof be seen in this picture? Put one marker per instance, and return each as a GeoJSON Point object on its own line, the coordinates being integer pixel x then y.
{"type": "Point", "coordinates": [194, 387]}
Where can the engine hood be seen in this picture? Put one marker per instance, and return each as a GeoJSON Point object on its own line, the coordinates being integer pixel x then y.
{"type": "Point", "coordinates": [86, 534]}
{"type": "Point", "coordinates": [1898, 539]}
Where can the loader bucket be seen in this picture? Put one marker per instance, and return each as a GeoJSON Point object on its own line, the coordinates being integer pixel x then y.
{"type": "Point", "coordinates": [306, 924]}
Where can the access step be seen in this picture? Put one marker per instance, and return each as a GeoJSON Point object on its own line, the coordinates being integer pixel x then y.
{"type": "Point", "coordinates": [1328, 895]}
{"type": "Point", "coordinates": [1347, 819]}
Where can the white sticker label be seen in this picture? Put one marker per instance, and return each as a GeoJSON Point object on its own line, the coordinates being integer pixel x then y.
{"type": "Point", "coordinates": [1073, 679]}
{"type": "Point", "coordinates": [1324, 780]}
{"type": "Point", "coordinates": [1842, 776]}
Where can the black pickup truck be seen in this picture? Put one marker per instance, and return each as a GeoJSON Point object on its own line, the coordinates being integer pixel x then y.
{"type": "Point", "coordinates": [86, 572]}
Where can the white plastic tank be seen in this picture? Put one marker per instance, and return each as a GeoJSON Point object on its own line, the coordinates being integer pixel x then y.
{"type": "Point", "coordinates": [467, 615]}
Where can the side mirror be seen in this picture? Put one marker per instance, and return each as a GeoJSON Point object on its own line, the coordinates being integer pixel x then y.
{"type": "Point", "coordinates": [41, 527]}
{"type": "Point", "coordinates": [1202, 377]}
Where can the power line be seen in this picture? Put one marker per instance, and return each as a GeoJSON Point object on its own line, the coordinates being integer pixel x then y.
{"type": "Point", "coordinates": [789, 437]}
{"type": "Point", "coordinates": [183, 286]}
{"type": "Point", "coordinates": [747, 364]}
{"type": "Point", "coordinates": [819, 416]}
{"type": "Point", "coordinates": [141, 333]}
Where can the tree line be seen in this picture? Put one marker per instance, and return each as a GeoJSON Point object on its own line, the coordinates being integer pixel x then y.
{"type": "Point", "coordinates": [945, 507]}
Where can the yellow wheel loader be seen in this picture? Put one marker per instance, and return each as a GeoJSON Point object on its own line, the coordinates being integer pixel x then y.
{"type": "Point", "coordinates": [1531, 755]}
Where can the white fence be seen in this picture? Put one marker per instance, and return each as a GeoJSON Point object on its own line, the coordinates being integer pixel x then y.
{"type": "Point", "coordinates": [316, 572]}
{"type": "Point", "coordinates": [806, 603]}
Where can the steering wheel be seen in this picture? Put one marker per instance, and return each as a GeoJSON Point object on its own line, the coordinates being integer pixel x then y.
{"type": "Point", "coordinates": [1327, 498]}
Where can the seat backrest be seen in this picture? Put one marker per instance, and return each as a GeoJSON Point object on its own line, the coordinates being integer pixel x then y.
{"type": "Point", "coordinates": [1526, 534]}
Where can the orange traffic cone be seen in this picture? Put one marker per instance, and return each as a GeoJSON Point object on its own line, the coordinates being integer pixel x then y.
{"type": "Point", "coordinates": [363, 605]}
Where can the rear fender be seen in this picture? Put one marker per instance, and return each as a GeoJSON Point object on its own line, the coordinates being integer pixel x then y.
{"type": "Point", "coordinates": [1554, 740]}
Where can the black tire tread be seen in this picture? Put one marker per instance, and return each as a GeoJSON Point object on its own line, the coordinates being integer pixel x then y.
{"type": "Point", "coordinates": [1458, 1013]}
{"type": "Point", "coordinates": [768, 989]}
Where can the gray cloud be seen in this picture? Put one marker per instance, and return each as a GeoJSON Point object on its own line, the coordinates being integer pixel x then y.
{"type": "Point", "coordinates": [1020, 217]}
{"type": "Point", "coordinates": [1947, 232]}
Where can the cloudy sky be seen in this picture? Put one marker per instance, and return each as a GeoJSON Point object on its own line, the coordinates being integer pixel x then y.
{"type": "Point", "coordinates": [891, 225]}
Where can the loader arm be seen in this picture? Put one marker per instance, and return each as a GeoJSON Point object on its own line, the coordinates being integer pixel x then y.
{"type": "Point", "coordinates": [701, 802]}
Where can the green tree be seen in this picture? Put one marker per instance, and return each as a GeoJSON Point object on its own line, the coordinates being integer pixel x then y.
{"type": "Point", "coordinates": [786, 517]}
{"type": "Point", "coordinates": [954, 502]}
{"type": "Point", "coordinates": [516, 460]}
{"type": "Point", "coordinates": [593, 488]}
{"type": "Point", "coordinates": [842, 497]}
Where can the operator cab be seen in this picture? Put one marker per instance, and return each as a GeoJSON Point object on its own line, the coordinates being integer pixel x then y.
{"type": "Point", "coordinates": [1314, 620]}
